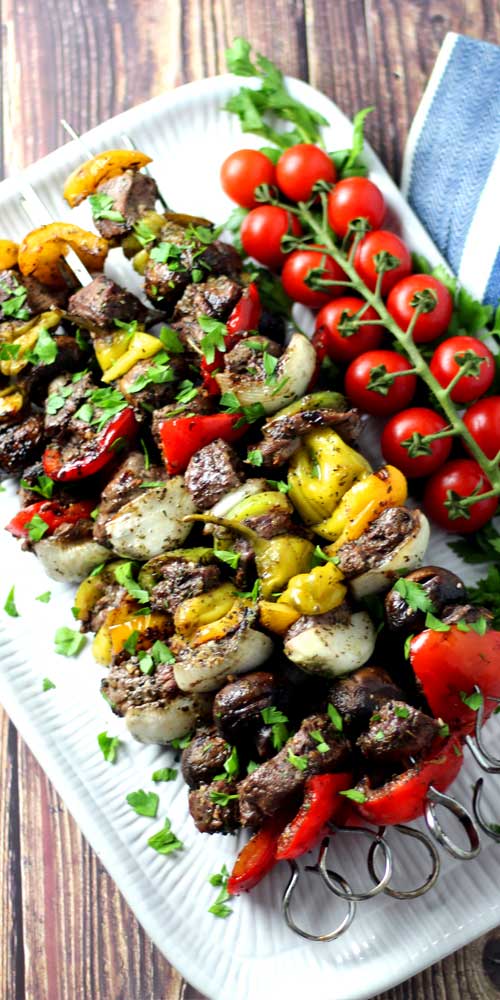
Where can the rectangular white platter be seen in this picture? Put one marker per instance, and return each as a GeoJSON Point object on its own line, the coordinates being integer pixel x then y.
{"type": "Point", "coordinates": [252, 954]}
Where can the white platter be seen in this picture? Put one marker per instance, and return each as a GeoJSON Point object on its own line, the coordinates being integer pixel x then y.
{"type": "Point", "coordinates": [251, 955]}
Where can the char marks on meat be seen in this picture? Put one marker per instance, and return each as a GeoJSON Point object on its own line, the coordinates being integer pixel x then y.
{"type": "Point", "coordinates": [154, 395]}
{"type": "Point", "coordinates": [133, 195]}
{"type": "Point", "coordinates": [21, 444]}
{"type": "Point", "coordinates": [248, 357]}
{"type": "Point", "coordinates": [275, 521]}
{"type": "Point", "coordinates": [277, 783]}
{"type": "Point", "coordinates": [102, 302]}
{"type": "Point", "coordinates": [382, 536]}
{"type": "Point", "coordinates": [212, 816]}
{"type": "Point", "coordinates": [182, 579]}
{"type": "Point", "coordinates": [204, 757]}
{"type": "Point", "coordinates": [398, 731]}
{"type": "Point", "coordinates": [282, 435]}
{"type": "Point", "coordinates": [126, 686]}
{"type": "Point", "coordinates": [212, 472]}
{"type": "Point", "coordinates": [165, 281]}
{"type": "Point", "coordinates": [215, 297]}
{"type": "Point", "coordinates": [58, 424]}
{"type": "Point", "coordinates": [362, 693]}
{"type": "Point", "coordinates": [125, 485]}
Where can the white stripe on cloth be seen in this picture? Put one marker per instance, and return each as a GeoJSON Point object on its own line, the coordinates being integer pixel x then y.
{"type": "Point", "coordinates": [481, 245]}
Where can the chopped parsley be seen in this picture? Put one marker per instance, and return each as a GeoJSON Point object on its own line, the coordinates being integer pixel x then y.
{"type": "Point", "coordinates": [227, 556]}
{"type": "Point", "coordinates": [401, 711]}
{"type": "Point", "coordinates": [250, 595]}
{"type": "Point", "coordinates": [171, 340]}
{"type": "Point", "coordinates": [223, 798]}
{"type": "Point", "coordinates": [109, 746]}
{"type": "Point", "coordinates": [68, 642]}
{"type": "Point", "coordinates": [143, 233]}
{"type": "Point", "coordinates": [187, 392]}
{"type": "Point", "coordinates": [414, 594]}
{"type": "Point", "coordinates": [56, 400]}
{"type": "Point", "coordinates": [36, 528]}
{"type": "Point", "coordinates": [47, 684]}
{"type": "Point", "coordinates": [435, 623]}
{"type": "Point", "coordinates": [214, 339]}
{"type": "Point", "coordinates": [232, 764]}
{"type": "Point", "coordinates": [335, 718]}
{"type": "Point", "coordinates": [130, 644]}
{"type": "Point", "coordinates": [164, 774]}
{"type": "Point", "coordinates": [407, 646]}
{"type": "Point", "coordinates": [279, 484]}
{"type": "Point", "coordinates": [144, 803]}
{"type": "Point", "coordinates": [278, 722]}
{"type": "Point", "coordinates": [124, 576]}
{"type": "Point", "coordinates": [322, 747]}
{"type": "Point", "coordinates": [181, 742]}
{"type": "Point", "coordinates": [15, 305]}
{"type": "Point", "coordinates": [255, 457]}
{"type": "Point", "coordinates": [220, 880]}
{"type": "Point", "coordinates": [45, 597]}
{"type": "Point", "coordinates": [444, 730]}
{"type": "Point", "coordinates": [473, 701]}
{"type": "Point", "coordinates": [45, 350]}
{"type": "Point", "coordinates": [45, 486]}
{"type": "Point", "coordinates": [102, 208]}
{"type": "Point", "coordinates": [354, 794]}
{"type": "Point", "coordinates": [10, 605]}
{"type": "Point", "coordinates": [299, 762]}
{"type": "Point", "coordinates": [159, 372]}
{"type": "Point", "coordinates": [165, 841]}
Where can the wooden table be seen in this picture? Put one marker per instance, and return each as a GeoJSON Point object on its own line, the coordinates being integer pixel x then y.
{"type": "Point", "coordinates": [66, 933]}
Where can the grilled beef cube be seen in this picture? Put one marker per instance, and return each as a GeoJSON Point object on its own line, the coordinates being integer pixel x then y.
{"type": "Point", "coordinates": [126, 686]}
{"type": "Point", "coordinates": [278, 782]}
{"type": "Point", "coordinates": [282, 435]}
{"type": "Point", "coordinates": [154, 395]}
{"type": "Point", "coordinates": [398, 731]}
{"type": "Point", "coordinates": [38, 299]}
{"type": "Point", "coordinates": [360, 694]}
{"type": "Point", "coordinates": [442, 588]}
{"type": "Point", "coordinates": [80, 531]}
{"type": "Point", "coordinates": [274, 522]}
{"type": "Point", "coordinates": [238, 706]}
{"type": "Point", "coordinates": [125, 485]}
{"type": "Point", "coordinates": [133, 195]}
{"type": "Point", "coordinates": [216, 298]}
{"type": "Point", "coordinates": [212, 816]}
{"type": "Point", "coordinates": [375, 544]}
{"type": "Point", "coordinates": [212, 472]}
{"type": "Point", "coordinates": [248, 357]}
{"type": "Point", "coordinates": [182, 579]}
{"type": "Point", "coordinates": [72, 395]}
{"type": "Point", "coordinates": [102, 302]}
{"type": "Point", "coordinates": [465, 613]}
{"type": "Point", "coordinates": [204, 758]}
{"type": "Point", "coordinates": [165, 280]}
{"type": "Point", "coordinates": [21, 444]}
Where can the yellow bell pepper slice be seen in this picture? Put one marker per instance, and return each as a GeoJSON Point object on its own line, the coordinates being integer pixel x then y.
{"type": "Point", "coordinates": [364, 502]}
{"type": "Point", "coordinates": [86, 178]}
{"type": "Point", "coordinates": [140, 346]}
{"type": "Point", "coordinates": [277, 617]}
{"type": "Point", "coordinates": [8, 254]}
{"type": "Point", "coordinates": [101, 647]}
{"type": "Point", "coordinates": [216, 630]}
{"type": "Point", "coordinates": [316, 592]}
{"type": "Point", "coordinates": [109, 347]}
{"type": "Point", "coordinates": [204, 609]}
{"type": "Point", "coordinates": [320, 472]}
{"type": "Point", "coordinates": [122, 631]}
{"type": "Point", "coordinates": [26, 340]}
{"type": "Point", "coordinates": [41, 251]}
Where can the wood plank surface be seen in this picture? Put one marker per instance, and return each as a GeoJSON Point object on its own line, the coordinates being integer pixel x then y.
{"type": "Point", "coordinates": [65, 932]}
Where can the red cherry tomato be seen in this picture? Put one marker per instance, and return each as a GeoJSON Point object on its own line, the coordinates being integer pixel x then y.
{"type": "Point", "coordinates": [444, 367]}
{"type": "Point", "coordinates": [355, 198]}
{"type": "Point", "coordinates": [406, 296]}
{"type": "Point", "coordinates": [296, 269]}
{"type": "Point", "coordinates": [401, 428]}
{"type": "Point", "coordinates": [262, 231]}
{"type": "Point", "coordinates": [298, 169]}
{"type": "Point", "coordinates": [369, 367]}
{"type": "Point", "coordinates": [482, 419]}
{"type": "Point", "coordinates": [381, 241]}
{"type": "Point", "coordinates": [463, 477]}
{"type": "Point", "coordinates": [242, 172]}
{"type": "Point", "coordinates": [345, 346]}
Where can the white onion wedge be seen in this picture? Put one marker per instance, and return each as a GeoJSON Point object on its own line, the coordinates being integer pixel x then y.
{"type": "Point", "coordinates": [152, 523]}
{"type": "Point", "coordinates": [292, 376]}
{"type": "Point", "coordinates": [206, 667]}
{"type": "Point", "coordinates": [407, 556]}
{"type": "Point", "coordinates": [332, 649]}
{"type": "Point", "coordinates": [166, 722]}
{"type": "Point", "coordinates": [71, 561]}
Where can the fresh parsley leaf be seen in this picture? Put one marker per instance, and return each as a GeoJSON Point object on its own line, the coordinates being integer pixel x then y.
{"type": "Point", "coordinates": [227, 556]}
{"type": "Point", "coordinates": [354, 794]}
{"type": "Point", "coordinates": [354, 161]}
{"type": "Point", "coordinates": [322, 747]}
{"type": "Point", "coordinates": [187, 391]}
{"type": "Point", "coordinates": [143, 233]}
{"type": "Point", "coordinates": [401, 711]}
{"type": "Point", "coordinates": [279, 484]}
{"type": "Point", "coordinates": [181, 742]}
{"type": "Point", "coordinates": [165, 841]}
{"type": "Point", "coordinates": [435, 623]}
{"type": "Point", "coordinates": [161, 653]}
{"type": "Point", "coordinates": [102, 208]}
{"type": "Point", "coordinates": [220, 880]}
{"type": "Point", "coordinates": [45, 597]}
{"type": "Point", "coordinates": [335, 718]}
{"type": "Point", "coordinates": [15, 305]}
{"type": "Point", "coordinates": [299, 762]}
{"type": "Point", "coordinates": [45, 486]}
{"type": "Point", "coordinates": [68, 642]}
{"type": "Point", "coordinates": [480, 625]}
{"type": "Point", "coordinates": [482, 546]}
{"type": "Point", "coordinates": [407, 646]}
{"type": "Point", "coordinates": [250, 595]}
{"type": "Point", "coordinates": [124, 576]}
{"type": "Point", "coordinates": [159, 372]}
{"type": "Point", "coordinates": [414, 594]}
{"type": "Point", "coordinates": [144, 803]}
{"type": "Point", "coordinates": [47, 684]}
{"type": "Point", "coordinates": [232, 764]}
{"type": "Point", "coordinates": [486, 592]}
{"type": "Point", "coordinates": [214, 339]}
{"type": "Point", "coordinates": [164, 774]}
{"type": "Point", "coordinates": [473, 701]}
{"type": "Point", "coordinates": [278, 722]}
{"type": "Point", "coordinates": [10, 604]}
{"type": "Point", "coordinates": [36, 528]}
{"type": "Point", "coordinates": [320, 557]}
{"type": "Point", "coordinates": [444, 730]}
{"type": "Point", "coordinates": [255, 457]}
{"type": "Point", "coordinates": [130, 644]}
{"type": "Point", "coordinates": [251, 766]}
{"type": "Point", "coordinates": [109, 746]}
{"type": "Point", "coordinates": [45, 350]}
{"type": "Point", "coordinates": [171, 340]}
{"type": "Point", "coordinates": [223, 798]}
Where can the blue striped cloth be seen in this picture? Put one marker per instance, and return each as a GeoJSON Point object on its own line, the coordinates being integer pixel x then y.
{"type": "Point", "coordinates": [451, 170]}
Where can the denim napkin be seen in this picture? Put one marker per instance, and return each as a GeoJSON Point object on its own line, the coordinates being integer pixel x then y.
{"type": "Point", "coordinates": [451, 169]}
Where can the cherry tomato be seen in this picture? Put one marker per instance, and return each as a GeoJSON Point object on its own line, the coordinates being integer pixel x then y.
{"type": "Point", "coordinates": [261, 233]}
{"type": "Point", "coordinates": [242, 172]}
{"type": "Point", "coordinates": [463, 477]}
{"type": "Point", "coordinates": [402, 427]}
{"type": "Point", "coordinates": [355, 198]}
{"type": "Point", "coordinates": [381, 241]}
{"type": "Point", "coordinates": [444, 367]}
{"type": "Point", "coordinates": [482, 419]}
{"type": "Point", "coordinates": [409, 293]}
{"type": "Point", "coordinates": [298, 169]}
{"type": "Point", "coordinates": [296, 269]}
{"type": "Point", "coordinates": [369, 367]}
{"type": "Point", "coordinates": [345, 346]}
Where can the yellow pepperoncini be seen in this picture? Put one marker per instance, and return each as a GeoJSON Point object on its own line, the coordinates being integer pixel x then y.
{"type": "Point", "coordinates": [25, 340]}
{"type": "Point", "coordinates": [11, 402]}
{"type": "Point", "coordinates": [320, 472]}
{"type": "Point", "coordinates": [362, 504]}
{"type": "Point", "coordinates": [278, 559]}
{"type": "Point", "coordinates": [140, 346]}
{"type": "Point", "coordinates": [258, 504]}
{"type": "Point", "coordinates": [316, 592]}
{"type": "Point", "coordinates": [277, 617]}
{"type": "Point", "coordinates": [221, 627]}
{"type": "Point", "coordinates": [204, 609]}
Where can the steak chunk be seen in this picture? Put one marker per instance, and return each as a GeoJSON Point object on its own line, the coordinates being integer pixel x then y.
{"type": "Point", "coordinates": [204, 757]}
{"type": "Point", "coordinates": [282, 435]}
{"type": "Point", "coordinates": [398, 731]}
{"type": "Point", "coordinates": [208, 811]}
{"type": "Point", "coordinates": [133, 195]}
{"type": "Point", "coordinates": [177, 255]}
{"type": "Point", "coordinates": [21, 444]}
{"type": "Point", "coordinates": [182, 579]}
{"type": "Point", "coordinates": [212, 472]}
{"type": "Point", "coordinates": [62, 390]}
{"type": "Point", "coordinates": [126, 686]}
{"type": "Point", "coordinates": [216, 298]}
{"type": "Point", "coordinates": [360, 694]}
{"type": "Point", "coordinates": [377, 542]}
{"type": "Point", "coordinates": [36, 298]}
{"type": "Point", "coordinates": [465, 613]}
{"type": "Point", "coordinates": [154, 394]}
{"type": "Point", "coordinates": [278, 782]}
{"type": "Point", "coordinates": [102, 302]}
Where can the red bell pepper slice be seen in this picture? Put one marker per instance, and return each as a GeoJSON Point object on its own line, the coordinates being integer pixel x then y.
{"type": "Point", "coordinates": [403, 799]}
{"type": "Point", "coordinates": [322, 802]}
{"type": "Point", "coordinates": [92, 455]}
{"type": "Point", "coordinates": [53, 513]}
{"type": "Point", "coordinates": [257, 857]}
{"type": "Point", "coordinates": [182, 437]}
{"type": "Point", "coordinates": [448, 665]}
{"type": "Point", "coordinates": [244, 317]}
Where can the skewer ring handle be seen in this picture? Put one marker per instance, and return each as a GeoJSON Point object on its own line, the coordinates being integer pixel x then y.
{"type": "Point", "coordinates": [420, 890]}
{"type": "Point", "coordinates": [435, 799]}
{"type": "Point", "coordinates": [286, 903]}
